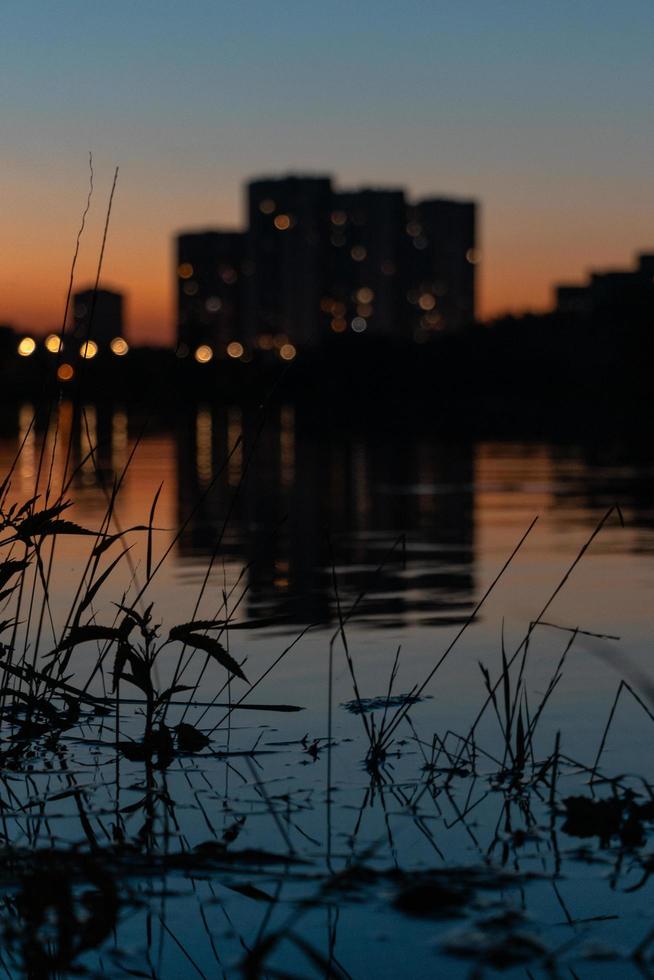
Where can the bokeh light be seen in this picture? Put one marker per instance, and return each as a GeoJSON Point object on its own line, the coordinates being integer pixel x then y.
{"type": "Point", "coordinates": [26, 347]}
{"type": "Point", "coordinates": [119, 346]}
{"type": "Point", "coordinates": [65, 372]}
{"type": "Point", "coordinates": [287, 352]}
{"type": "Point", "coordinates": [234, 349]}
{"type": "Point", "coordinates": [203, 354]}
{"type": "Point", "coordinates": [88, 349]}
{"type": "Point", "coordinates": [53, 343]}
{"type": "Point", "coordinates": [282, 222]}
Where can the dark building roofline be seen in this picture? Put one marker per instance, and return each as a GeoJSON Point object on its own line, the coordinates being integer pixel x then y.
{"type": "Point", "coordinates": [190, 233]}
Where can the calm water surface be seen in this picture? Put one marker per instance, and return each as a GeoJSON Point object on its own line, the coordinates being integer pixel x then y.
{"type": "Point", "coordinates": [289, 522]}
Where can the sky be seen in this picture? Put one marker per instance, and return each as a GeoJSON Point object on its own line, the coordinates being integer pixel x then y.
{"type": "Point", "coordinates": [541, 112]}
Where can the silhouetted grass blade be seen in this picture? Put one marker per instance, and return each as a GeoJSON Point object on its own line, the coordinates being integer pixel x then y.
{"type": "Point", "coordinates": [217, 651]}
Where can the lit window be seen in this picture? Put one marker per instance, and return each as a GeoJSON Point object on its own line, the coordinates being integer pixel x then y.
{"type": "Point", "coordinates": [267, 206]}
{"type": "Point", "coordinates": [358, 253]}
{"type": "Point", "coordinates": [235, 349]}
{"type": "Point", "coordinates": [282, 222]}
{"type": "Point", "coordinates": [287, 352]}
{"type": "Point", "coordinates": [26, 347]}
{"type": "Point", "coordinates": [119, 346]}
{"type": "Point", "coordinates": [53, 343]}
{"type": "Point", "coordinates": [203, 354]}
{"type": "Point", "coordinates": [88, 349]}
{"type": "Point", "coordinates": [65, 372]}
{"type": "Point", "coordinates": [358, 324]}
{"type": "Point", "coordinates": [184, 271]}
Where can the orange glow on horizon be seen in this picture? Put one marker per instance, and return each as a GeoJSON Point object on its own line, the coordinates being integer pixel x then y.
{"type": "Point", "coordinates": [525, 250]}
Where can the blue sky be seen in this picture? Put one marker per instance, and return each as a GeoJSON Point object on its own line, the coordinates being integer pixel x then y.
{"type": "Point", "coordinates": [541, 111]}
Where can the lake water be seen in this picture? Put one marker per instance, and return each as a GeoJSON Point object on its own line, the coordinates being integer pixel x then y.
{"type": "Point", "coordinates": [402, 530]}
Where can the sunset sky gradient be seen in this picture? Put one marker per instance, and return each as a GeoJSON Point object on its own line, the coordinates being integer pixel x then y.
{"type": "Point", "coordinates": [542, 112]}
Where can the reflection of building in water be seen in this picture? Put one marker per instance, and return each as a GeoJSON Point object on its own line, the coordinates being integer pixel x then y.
{"type": "Point", "coordinates": [300, 488]}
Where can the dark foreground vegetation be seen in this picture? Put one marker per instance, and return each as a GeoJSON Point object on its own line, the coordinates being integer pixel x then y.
{"type": "Point", "coordinates": [133, 784]}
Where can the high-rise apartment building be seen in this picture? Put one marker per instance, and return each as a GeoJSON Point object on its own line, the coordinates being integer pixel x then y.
{"type": "Point", "coordinates": [440, 260]}
{"type": "Point", "coordinates": [288, 236]}
{"type": "Point", "coordinates": [365, 268]}
{"type": "Point", "coordinates": [209, 272]}
{"type": "Point", "coordinates": [316, 262]}
{"type": "Point", "coordinates": [97, 316]}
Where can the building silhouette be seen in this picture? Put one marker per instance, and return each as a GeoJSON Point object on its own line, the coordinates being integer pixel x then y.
{"type": "Point", "coordinates": [440, 264]}
{"type": "Point", "coordinates": [288, 237]}
{"type": "Point", "coordinates": [618, 295]}
{"type": "Point", "coordinates": [97, 316]}
{"type": "Point", "coordinates": [366, 287]}
{"type": "Point", "coordinates": [209, 273]}
{"type": "Point", "coordinates": [317, 261]}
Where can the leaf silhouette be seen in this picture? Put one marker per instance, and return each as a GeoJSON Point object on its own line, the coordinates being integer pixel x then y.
{"type": "Point", "coordinates": [217, 651]}
{"type": "Point", "coordinates": [184, 629]}
{"type": "Point", "coordinates": [64, 527]}
{"type": "Point", "coordinates": [190, 739]}
{"type": "Point", "coordinates": [9, 568]}
{"type": "Point", "coordinates": [85, 634]}
{"type": "Point", "coordinates": [110, 539]}
{"type": "Point", "coordinates": [171, 691]}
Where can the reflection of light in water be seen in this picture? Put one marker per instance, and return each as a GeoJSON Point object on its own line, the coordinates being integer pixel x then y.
{"type": "Point", "coordinates": [360, 480]}
{"type": "Point", "coordinates": [88, 442]}
{"type": "Point", "coordinates": [287, 446]}
{"type": "Point", "coordinates": [234, 430]}
{"type": "Point", "coordinates": [203, 446]}
{"type": "Point", "coordinates": [281, 580]}
{"type": "Point", "coordinates": [63, 439]}
{"type": "Point", "coordinates": [26, 461]}
{"type": "Point", "coordinates": [119, 439]}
